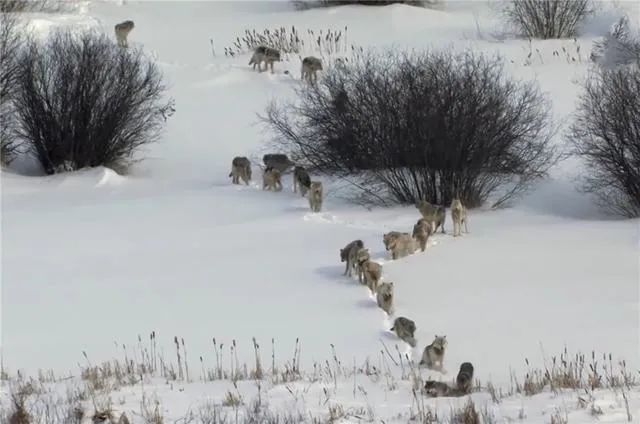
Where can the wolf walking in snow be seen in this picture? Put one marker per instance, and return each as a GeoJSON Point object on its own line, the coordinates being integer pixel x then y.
{"type": "Point", "coordinates": [277, 161]}
{"type": "Point", "coordinates": [264, 54]}
{"type": "Point", "coordinates": [464, 380]}
{"type": "Point", "coordinates": [301, 179]}
{"type": "Point", "coordinates": [433, 214]}
{"type": "Point", "coordinates": [384, 297]}
{"type": "Point", "coordinates": [240, 169]}
{"type": "Point", "coordinates": [389, 237]}
{"type": "Point", "coordinates": [433, 355]}
{"type": "Point", "coordinates": [310, 66]}
{"type": "Point", "coordinates": [315, 196]}
{"type": "Point", "coordinates": [348, 254]}
{"type": "Point", "coordinates": [459, 217]}
{"type": "Point", "coordinates": [421, 232]}
{"type": "Point", "coordinates": [405, 330]}
{"type": "Point", "coordinates": [122, 31]}
{"type": "Point", "coordinates": [271, 179]}
{"type": "Point", "coordinates": [401, 246]}
{"type": "Point", "coordinates": [369, 272]}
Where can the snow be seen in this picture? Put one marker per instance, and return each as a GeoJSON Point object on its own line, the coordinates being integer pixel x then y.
{"type": "Point", "coordinates": [92, 259]}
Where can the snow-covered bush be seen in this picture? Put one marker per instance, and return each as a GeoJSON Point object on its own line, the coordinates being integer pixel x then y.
{"type": "Point", "coordinates": [425, 125]}
{"type": "Point", "coordinates": [82, 101]}
{"type": "Point", "coordinates": [621, 46]}
{"type": "Point", "coordinates": [606, 134]}
{"type": "Point", "coordinates": [547, 18]}
{"type": "Point", "coordinates": [11, 39]}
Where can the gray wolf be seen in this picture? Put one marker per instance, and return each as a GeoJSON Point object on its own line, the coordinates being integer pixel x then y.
{"type": "Point", "coordinates": [277, 161]}
{"type": "Point", "coordinates": [264, 54]}
{"type": "Point", "coordinates": [271, 179]}
{"type": "Point", "coordinates": [421, 232]}
{"type": "Point", "coordinates": [362, 255]}
{"type": "Point", "coordinates": [315, 196]}
{"type": "Point", "coordinates": [240, 168]}
{"type": "Point", "coordinates": [405, 330]}
{"type": "Point", "coordinates": [387, 238]}
{"type": "Point", "coordinates": [433, 355]}
{"type": "Point", "coordinates": [401, 246]}
{"type": "Point", "coordinates": [301, 179]}
{"type": "Point", "coordinates": [348, 255]}
{"type": "Point", "coordinates": [369, 271]}
{"type": "Point", "coordinates": [385, 297]}
{"type": "Point", "coordinates": [433, 214]}
{"type": "Point", "coordinates": [310, 65]}
{"type": "Point", "coordinates": [437, 389]}
{"type": "Point", "coordinates": [122, 31]}
{"type": "Point", "coordinates": [464, 380]}
{"type": "Point", "coordinates": [459, 217]}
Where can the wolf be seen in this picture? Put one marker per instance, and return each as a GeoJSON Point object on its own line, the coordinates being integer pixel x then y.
{"type": "Point", "coordinates": [277, 161]}
{"type": "Point", "coordinates": [433, 214]}
{"type": "Point", "coordinates": [385, 297]}
{"type": "Point", "coordinates": [389, 237]}
{"type": "Point", "coordinates": [310, 65]}
{"type": "Point", "coordinates": [362, 255]}
{"type": "Point", "coordinates": [315, 196]}
{"type": "Point", "coordinates": [459, 217]}
{"type": "Point", "coordinates": [405, 330]}
{"type": "Point", "coordinates": [240, 168]}
{"type": "Point", "coordinates": [401, 246]}
{"type": "Point", "coordinates": [369, 271]}
{"type": "Point", "coordinates": [264, 54]}
{"type": "Point", "coordinates": [271, 179]}
{"type": "Point", "coordinates": [122, 31]}
{"type": "Point", "coordinates": [348, 255]}
{"type": "Point", "coordinates": [301, 179]}
{"type": "Point", "coordinates": [437, 389]}
{"type": "Point", "coordinates": [464, 380]}
{"type": "Point", "coordinates": [433, 355]}
{"type": "Point", "coordinates": [421, 232]}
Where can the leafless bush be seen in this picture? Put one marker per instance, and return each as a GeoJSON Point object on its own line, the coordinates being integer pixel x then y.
{"type": "Point", "coordinates": [412, 126]}
{"type": "Point", "coordinates": [619, 47]}
{"type": "Point", "coordinates": [81, 101]}
{"type": "Point", "coordinates": [11, 39]}
{"type": "Point", "coordinates": [606, 135]}
{"type": "Point", "coordinates": [310, 4]}
{"type": "Point", "coordinates": [547, 18]}
{"type": "Point", "coordinates": [21, 6]}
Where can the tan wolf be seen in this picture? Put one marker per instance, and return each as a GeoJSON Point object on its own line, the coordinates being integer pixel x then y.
{"type": "Point", "coordinates": [122, 31]}
{"type": "Point", "coordinates": [405, 330]}
{"type": "Point", "coordinates": [433, 214]}
{"type": "Point", "coordinates": [459, 217]}
{"type": "Point", "coordinates": [310, 66]}
{"type": "Point", "coordinates": [264, 54]}
{"type": "Point", "coordinates": [402, 246]}
{"type": "Point", "coordinates": [384, 297]}
{"type": "Point", "coordinates": [389, 237]}
{"type": "Point", "coordinates": [315, 196]}
{"type": "Point", "coordinates": [421, 232]}
{"type": "Point", "coordinates": [348, 254]}
{"type": "Point", "coordinates": [369, 271]}
{"type": "Point", "coordinates": [271, 179]}
{"type": "Point", "coordinates": [240, 168]}
{"type": "Point", "coordinates": [433, 355]}
{"type": "Point", "coordinates": [301, 179]}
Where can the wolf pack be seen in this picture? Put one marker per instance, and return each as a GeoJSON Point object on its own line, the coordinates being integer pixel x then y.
{"type": "Point", "coordinates": [358, 261]}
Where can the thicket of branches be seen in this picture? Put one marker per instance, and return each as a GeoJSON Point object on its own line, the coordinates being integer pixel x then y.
{"type": "Point", "coordinates": [10, 41]}
{"type": "Point", "coordinates": [547, 18]}
{"type": "Point", "coordinates": [19, 6]}
{"type": "Point", "coordinates": [606, 134]}
{"type": "Point", "coordinates": [619, 47]}
{"type": "Point", "coordinates": [411, 126]}
{"type": "Point", "coordinates": [308, 4]}
{"type": "Point", "coordinates": [82, 101]}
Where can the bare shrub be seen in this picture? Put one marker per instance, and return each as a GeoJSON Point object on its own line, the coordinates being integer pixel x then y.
{"type": "Point", "coordinates": [23, 6]}
{"type": "Point", "coordinates": [619, 47]}
{"type": "Point", "coordinates": [606, 135]}
{"type": "Point", "coordinates": [412, 126]}
{"type": "Point", "coordinates": [81, 101]}
{"type": "Point", "coordinates": [11, 39]}
{"type": "Point", "coordinates": [547, 18]}
{"type": "Point", "coordinates": [309, 4]}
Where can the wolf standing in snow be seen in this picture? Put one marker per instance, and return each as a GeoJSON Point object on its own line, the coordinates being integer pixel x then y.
{"type": "Point", "coordinates": [421, 232]}
{"type": "Point", "coordinates": [271, 179]}
{"type": "Point", "coordinates": [240, 168]}
{"type": "Point", "coordinates": [390, 237]}
{"type": "Point", "coordinates": [301, 179]}
{"type": "Point", "coordinates": [315, 196]}
{"type": "Point", "coordinates": [401, 246]}
{"type": "Point", "coordinates": [277, 161]}
{"type": "Point", "coordinates": [310, 66]}
{"type": "Point", "coordinates": [405, 330]}
{"type": "Point", "coordinates": [464, 380]}
{"type": "Point", "coordinates": [433, 214]}
{"type": "Point", "coordinates": [264, 54]}
{"type": "Point", "coordinates": [369, 272]}
{"type": "Point", "coordinates": [122, 31]}
{"type": "Point", "coordinates": [348, 255]}
{"type": "Point", "coordinates": [433, 355]}
{"type": "Point", "coordinates": [385, 297]}
{"type": "Point", "coordinates": [459, 217]}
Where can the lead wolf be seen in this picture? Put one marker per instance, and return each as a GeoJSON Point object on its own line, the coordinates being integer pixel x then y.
{"type": "Point", "coordinates": [240, 168]}
{"type": "Point", "coordinates": [315, 196]}
{"type": "Point", "coordinates": [459, 217]}
{"type": "Point", "coordinates": [405, 330]}
{"type": "Point", "coordinates": [264, 54]}
{"type": "Point", "coordinates": [310, 66]}
{"type": "Point", "coordinates": [122, 31]}
{"type": "Point", "coordinates": [433, 214]}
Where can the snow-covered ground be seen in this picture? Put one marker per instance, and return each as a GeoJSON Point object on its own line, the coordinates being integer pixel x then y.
{"type": "Point", "coordinates": [91, 260]}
